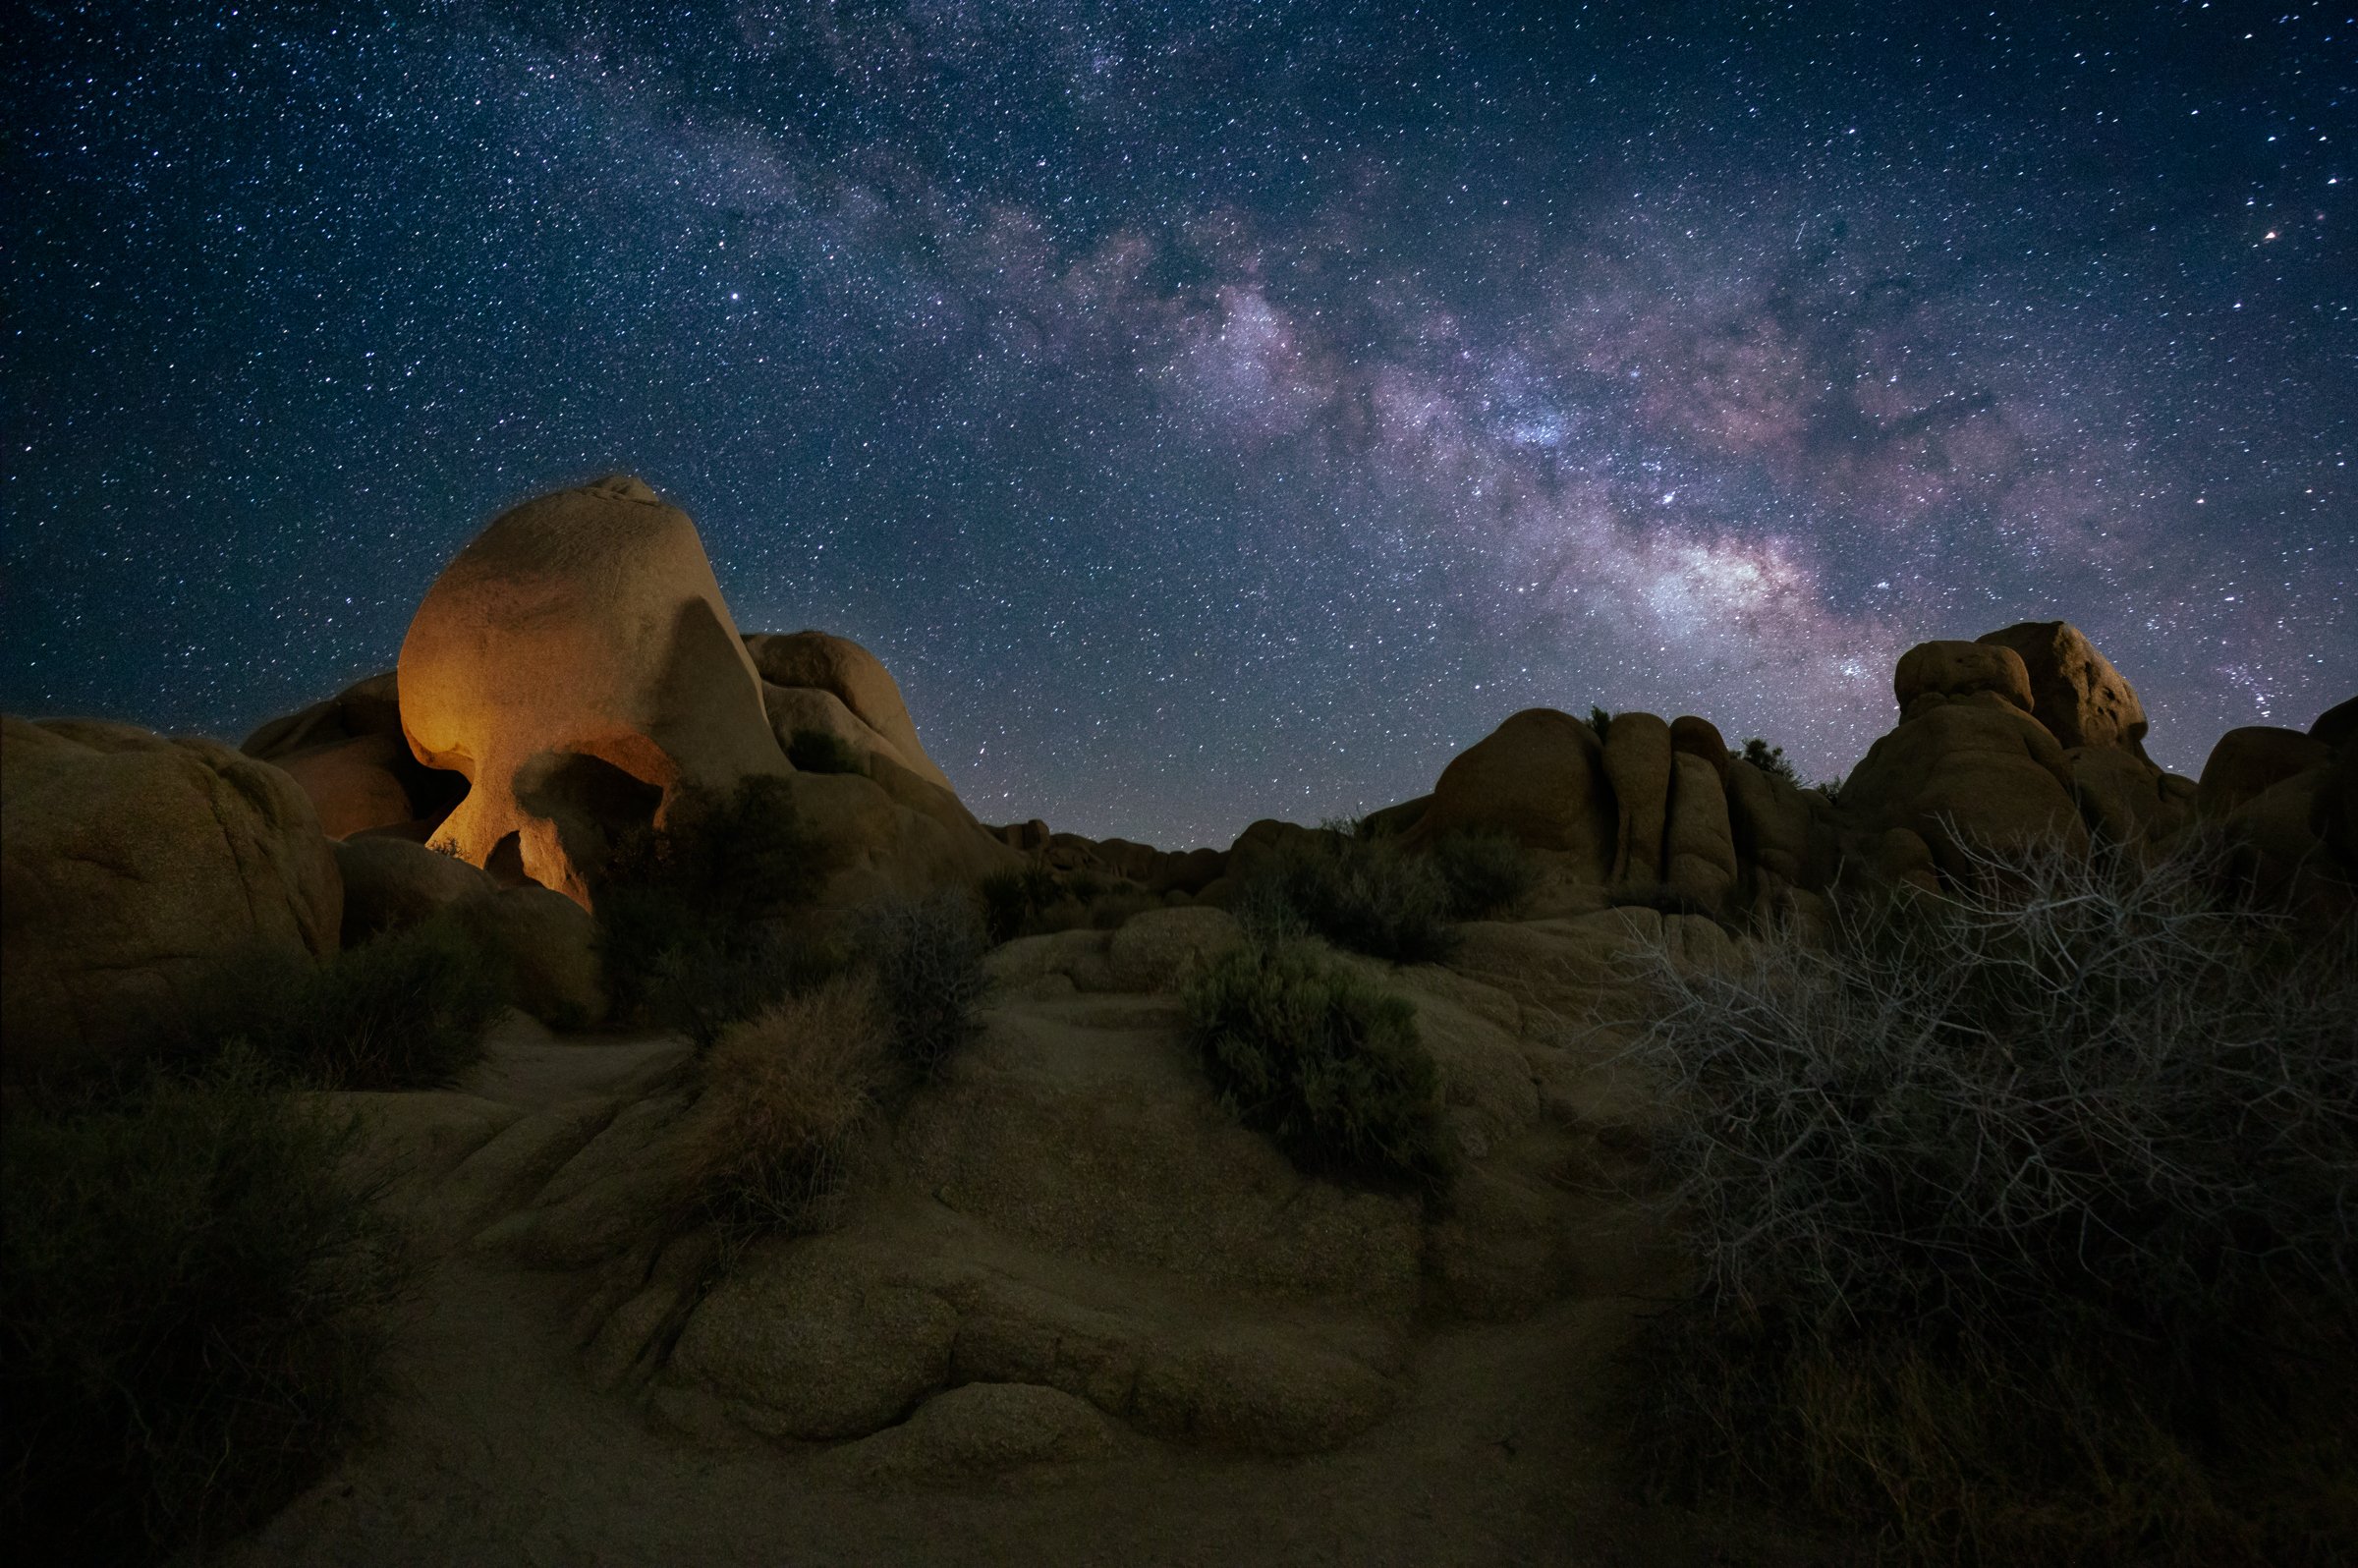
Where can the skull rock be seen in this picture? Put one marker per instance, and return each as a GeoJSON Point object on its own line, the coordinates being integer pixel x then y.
{"type": "Point", "coordinates": [576, 663]}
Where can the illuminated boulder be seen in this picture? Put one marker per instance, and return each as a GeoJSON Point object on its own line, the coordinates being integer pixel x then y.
{"type": "Point", "coordinates": [576, 663]}
{"type": "Point", "coordinates": [350, 758]}
{"type": "Point", "coordinates": [2074, 690]}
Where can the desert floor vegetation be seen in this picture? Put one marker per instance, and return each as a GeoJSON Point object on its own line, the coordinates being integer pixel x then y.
{"type": "Point", "coordinates": [927, 957]}
{"type": "Point", "coordinates": [691, 917]}
{"type": "Point", "coordinates": [192, 1297]}
{"type": "Point", "coordinates": [404, 1010]}
{"type": "Point", "coordinates": [1037, 900]}
{"type": "Point", "coordinates": [1324, 1060]}
{"type": "Point", "coordinates": [1373, 896]}
{"type": "Point", "coordinates": [787, 1094]}
{"type": "Point", "coordinates": [2023, 1222]}
{"type": "Point", "coordinates": [816, 750]}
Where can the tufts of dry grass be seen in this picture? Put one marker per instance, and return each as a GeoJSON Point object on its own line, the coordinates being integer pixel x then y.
{"type": "Point", "coordinates": [788, 1094]}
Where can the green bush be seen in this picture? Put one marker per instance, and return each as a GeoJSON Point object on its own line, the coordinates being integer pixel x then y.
{"type": "Point", "coordinates": [1329, 1065]}
{"type": "Point", "coordinates": [822, 751]}
{"type": "Point", "coordinates": [1485, 872]}
{"type": "Point", "coordinates": [1368, 895]}
{"type": "Point", "coordinates": [405, 1010]}
{"type": "Point", "coordinates": [188, 1312]}
{"type": "Point", "coordinates": [1769, 760]}
{"type": "Point", "coordinates": [2024, 1221]}
{"type": "Point", "coordinates": [1599, 720]}
{"type": "Point", "coordinates": [929, 979]}
{"type": "Point", "coordinates": [688, 922]}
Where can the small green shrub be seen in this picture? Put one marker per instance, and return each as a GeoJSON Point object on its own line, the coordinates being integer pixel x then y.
{"type": "Point", "coordinates": [1769, 760]}
{"type": "Point", "coordinates": [929, 981]}
{"type": "Point", "coordinates": [1368, 895]}
{"type": "Point", "coordinates": [1485, 873]}
{"type": "Point", "coordinates": [404, 1010]}
{"type": "Point", "coordinates": [689, 915]}
{"type": "Point", "coordinates": [822, 751]}
{"type": "Point", "coordinates": [1599, 720]}
{"type": "Point", "coordinates": [2024, 1221]}
{"type": "Point", "coordinates": [1329, 1065]}
{"type": "Point", "coordinates": [189, 1297]}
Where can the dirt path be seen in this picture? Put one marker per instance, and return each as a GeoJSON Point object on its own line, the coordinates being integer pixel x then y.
{"type": "Point", "coordinates": [496, 1450]}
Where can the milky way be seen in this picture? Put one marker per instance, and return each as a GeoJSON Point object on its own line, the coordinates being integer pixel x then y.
{"type": "Point", "coordinates": [1208, 411]}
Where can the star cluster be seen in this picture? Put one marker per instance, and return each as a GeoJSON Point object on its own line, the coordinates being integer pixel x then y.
{"type": "Point", "coordinates": [1208, 411]}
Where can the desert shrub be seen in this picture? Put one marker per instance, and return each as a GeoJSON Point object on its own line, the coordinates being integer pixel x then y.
{"type": "Point", "coordinates": [689, 915]}
{"type": "Point", "coordinates": [1014, 902]}
{"type": "Point", "coordinates": [407, 1009]}
{"type": "Point", "coordinates": [1769, 760]}
{"type": "Point", "coordinates": [1327, 1064]}
{"type": "Point", "coordinates": [927, 956]}
{"type": "Point", "coordinates": [1368, 895]}
{"type": "Point", "coordinates": [2023, 1220]}
{"type": "Point", "coordinates": [188, 1296]}
{"type": "Point", "coordinates": [786, 1094]}
{"type": "Point", "coordinates": [1599, 720]}
{"type": "Point", "coordinates": [822, 751]}
{"type": "Point", "coordinates": [1484, 872]}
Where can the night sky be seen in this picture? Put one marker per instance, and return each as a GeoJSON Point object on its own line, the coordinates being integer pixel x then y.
{"type": "Point", "coordinates": [1207, 411]}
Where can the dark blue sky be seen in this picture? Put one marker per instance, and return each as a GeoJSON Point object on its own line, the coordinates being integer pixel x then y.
{"type": "Point", "coordinates": [1208, 412]}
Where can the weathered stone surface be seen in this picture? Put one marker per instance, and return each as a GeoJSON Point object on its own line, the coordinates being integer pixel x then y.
{"type": "Point", "coordinates": [550, 945]}
{"type": "Point", "coordinates": [1540, 776]}
{"type": "Point", "coordinates": [812, 1339]}
{"type": "Point", "coordinates": [979, 1430]}
{"type": "Point", "coordinates": [2075, 692]}
{"type": "Point", "coordinates": [857, 679]}
{"type": "Point", "coordinates": [1699, 738]}
{"type": "Point", "coordinates": [2337, 725]}
{"type": "Point", "coordinates": [576, 663]}
{"type": "Point", "coordinates": [1699, 845]}
{"type": "Point", "coordinates": [1771, 821]}
{"type": "Point", "coordinates": [1967, 771]}
{"type": "Point", "coordinates": [1057, 962]}
{"type": "Point", "coordinates": [132, 868]}
{"type": "Point", "coordinates": [1154, 950]}
{"type": "Point", "coordinates": [1637, 763]}
{"type": "Point", "coordinates": [2127, 800]}
{"type": "Point", "coordinates": [2248, 762]}
{"type": "Point", "coordinates": [391, 885]}
{"type": "Point", "coordinates": [1099, 1137]}
{"type": "Point", "coordinates": [1960, 669]}
{"type": "Point", "coordinates": [349, 756]}
{"type": "Point", "coordinates": [610, 1196]}
{"type": "Point", "coordinates": [1264, 1390]}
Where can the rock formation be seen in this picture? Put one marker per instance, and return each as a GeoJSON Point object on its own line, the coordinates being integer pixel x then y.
{"type": "Point", "coordinates": [577, 664]}
{"type": "Point", "coordinates": [133, 869]}
{"type": "Point", "coordinates": [351, 759]}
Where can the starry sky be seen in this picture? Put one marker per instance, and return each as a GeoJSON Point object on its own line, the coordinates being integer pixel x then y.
{"type": "Point", "coordinates": [1209, 411]}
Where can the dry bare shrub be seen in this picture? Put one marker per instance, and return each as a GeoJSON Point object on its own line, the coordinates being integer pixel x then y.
{"type": "Point", "coordinates": [2024, 1220]}
{"type": "Point", "coordinates": [787, 1095]}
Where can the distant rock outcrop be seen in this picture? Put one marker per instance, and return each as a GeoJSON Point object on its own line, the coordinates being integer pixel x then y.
{"type": "Point", "coordinates": [2288, 804]}
{"type": "Point", "coordinates": [132, 869]}
{"type": "Point", "coordinates": [2024, 735]}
